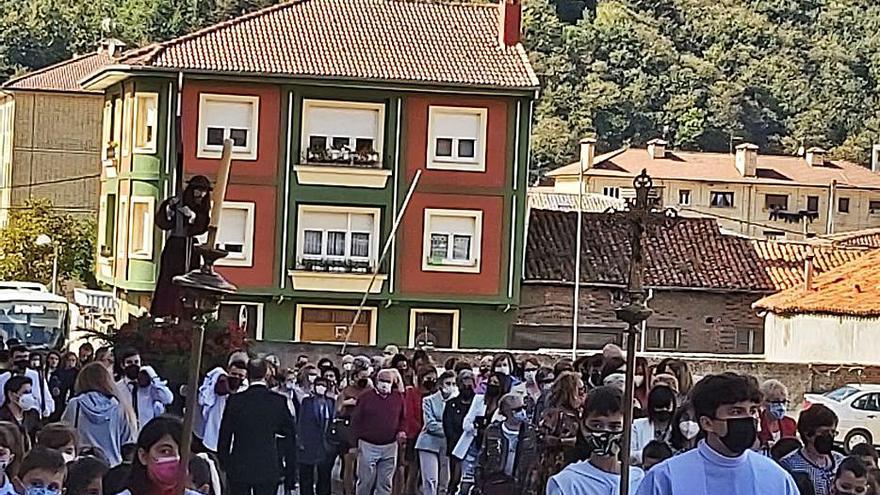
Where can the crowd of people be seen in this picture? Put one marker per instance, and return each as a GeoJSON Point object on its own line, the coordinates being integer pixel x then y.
{"type": "Point", "coordinates": [95, 423]}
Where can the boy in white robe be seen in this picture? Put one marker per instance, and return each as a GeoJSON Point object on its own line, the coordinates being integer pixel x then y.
{"type": "Point", "coordinates": [727, 408]}
{"type": "Point", "coordinates": [602, 427]}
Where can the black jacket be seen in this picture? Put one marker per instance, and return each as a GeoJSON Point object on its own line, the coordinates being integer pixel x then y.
{"type": "Point", "coordinates": [247, 446]}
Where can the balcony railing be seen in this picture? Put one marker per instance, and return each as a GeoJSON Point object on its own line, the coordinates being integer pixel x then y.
{"type": "Point", "coordinates": [333, 266]}
{"type": "Point", "coordinates": [344, 157]}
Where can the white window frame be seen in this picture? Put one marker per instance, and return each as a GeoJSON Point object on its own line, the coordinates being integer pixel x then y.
{"type": "Point", "coordinates": [684, 197]}
{"type": "Point", "coordinates": [378, 140]}
{"type": "Point", "coordinates": [611, 191]}
{"type": "Point", "coordinates": [475, 164]}
{"type": "Point", "coordinates": [372, 259]}
{"type": "Point", "coordinates": [260, 308]}
{"type": "Point", "coordinates": [123, 225]}
{"type": "Point", "coordinates": [246, 257]}
{"type": "Point", "coordinates": [450, 265]}
{"type": "Point", "coordinates": [752, 332]}
{"type": "Point", "coordinates": [732, 199]}
{"type": "Point", "coordinates": [456, 324]}
{"type": "Point", "coordinates": [297, 322]}
{"type": "Point", "coordinates": [150, 146]}
{"type": "Point", "coordinates": [248, 152]}
{"type": "Point", "coordinates": [146, 254]}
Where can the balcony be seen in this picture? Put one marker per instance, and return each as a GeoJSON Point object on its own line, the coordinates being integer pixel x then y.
{"type": "Point", "coordinates": [342, 167]}
{"type": "Point", "coordinates": [335, 275]}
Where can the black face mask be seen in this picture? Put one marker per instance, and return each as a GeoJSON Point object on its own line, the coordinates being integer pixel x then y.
{"type": "Point", "coordinates": [21, 364]}
{"type": "Point", "coordinates": [741, 434]}
{"type": "Point", "coordinates": [144, 381]}
{"type": "Point", "coordinates": [362, 383]}
{"type": "Point", "coordinates": [429, 384]}
{"type": "Point", "coordinates": [466, 393]}
{"type": "Point", "coordinates": [131, 371]}
{"type": "Point", "coordinates": [493, 390]}
{"type": "Point", "coordinates": [663, 416]}
{"type": "Point", "coordinates": [234, 383]}
{"type": "Point", "coordinates": [823, 443]}
{"type": "Point", "coordinates": [594, 379]}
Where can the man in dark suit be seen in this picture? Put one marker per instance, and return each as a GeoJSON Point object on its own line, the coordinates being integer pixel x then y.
{"type": "Point", "coordinates": [247, 447]}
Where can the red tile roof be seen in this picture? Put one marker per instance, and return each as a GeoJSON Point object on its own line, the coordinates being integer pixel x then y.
{"type": "Point", "coordinates": [866, 238]}
{"type": "Point", "coordinates": [852, 289]}
{"type": "Point", "coordinates": [546, 199]}
{"type": "Point", "coordinates": [721, 167]}
{"type": "Point", "coordinates": [412, 41]}
{"type": "Point", "coordinates": [63, 77]}
{"type": "Point", "coordinates": [691, 253]}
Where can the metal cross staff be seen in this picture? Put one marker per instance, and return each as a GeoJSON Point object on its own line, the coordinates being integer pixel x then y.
{"type": "Point", "coordinates": [639, 213]}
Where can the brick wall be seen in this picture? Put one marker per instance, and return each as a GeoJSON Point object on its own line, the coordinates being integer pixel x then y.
{"type": "Point", "coordinates": [708, 321]}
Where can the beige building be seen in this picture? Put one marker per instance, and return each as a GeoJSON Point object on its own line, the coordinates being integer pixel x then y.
{"type": "Point", "coordinates": [748, 193]}
{"type": "Point", "coordinates": [50, 136]}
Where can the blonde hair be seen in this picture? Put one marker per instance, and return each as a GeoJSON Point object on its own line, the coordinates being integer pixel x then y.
{"type": "Point", "coordinates": [94, 377]}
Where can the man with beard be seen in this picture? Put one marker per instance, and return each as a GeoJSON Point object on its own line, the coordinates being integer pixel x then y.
{"type": "Point", "coordinates": [149, 393]}
{"type": "Point", "coordinates": [40, 398]}
{"type": "Point", "coordinates": [185, 217]}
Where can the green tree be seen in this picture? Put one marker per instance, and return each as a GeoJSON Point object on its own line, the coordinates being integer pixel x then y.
{"type": "Point", "coordinates": [22, 259]}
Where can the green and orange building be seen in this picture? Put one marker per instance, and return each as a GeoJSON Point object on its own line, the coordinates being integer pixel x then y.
{"type": "Point", "coordinates": [333, 106]}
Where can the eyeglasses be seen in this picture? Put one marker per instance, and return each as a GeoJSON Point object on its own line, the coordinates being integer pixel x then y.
{"type": "Point", "coordinates": [518, 409]}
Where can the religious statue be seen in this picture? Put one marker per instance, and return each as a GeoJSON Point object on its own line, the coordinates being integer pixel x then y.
{"type": "Point", "coordinates": [185, 216]}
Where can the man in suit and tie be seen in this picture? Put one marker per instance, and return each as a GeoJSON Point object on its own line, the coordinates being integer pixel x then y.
{"type": "Point", "coordinates": [247, 447]}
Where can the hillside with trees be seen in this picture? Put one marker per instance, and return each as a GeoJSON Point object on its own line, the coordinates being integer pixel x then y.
{"type": "Point", "coordinates": [704, 74]}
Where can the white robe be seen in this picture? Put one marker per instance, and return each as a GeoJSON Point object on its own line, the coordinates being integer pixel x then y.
{"type": "Point", "coordinates": [211, 406]}
{"type": "Point", "coordinates": [703, 471]}
{"type": "Point", "coordinates": [151, 401]}
{"type": "Point", "coordinates": [582, 478]}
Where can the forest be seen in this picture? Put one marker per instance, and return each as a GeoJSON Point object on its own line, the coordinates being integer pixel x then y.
{"type": "Point", "coordinates": [703, 74]}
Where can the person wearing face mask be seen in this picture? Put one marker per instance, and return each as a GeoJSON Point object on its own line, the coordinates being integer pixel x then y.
{"type": "Point", "coordinates": [641, 382]}
{"type": "Point", "coordinates": [401, 363]}
{"type": "Point", "coordinates": [775, 425]}
{"type": "Point", "coordinates": [148, 392]}
{"type": "Point", "coordinates": [431, 442]}
{"type": "Point", "coordinates": [503, 364]}
{"type": "Point", "coordinates": [560, 426]}
{"type": "Point", "coordinates": [685, 429]}
{"type": "Point", "coordinates": [484, 372]}
{"type": "Point", "coordinates": [453, 418]}
{"type": "Point", "coordinates": [331, 376]}
{"type": "Point", "coordinates": [315, 459]}
{"type": "Point", "coordinates": [727, 407]}
{"type": "Point", "coordinates": [378, 424]}
{"type": "Point", "coordinates": [341, 433]}
{"type": "Point", "coordinates": [155, 469]}
{"type": "Point", "coordinates": [60, 437]}
{"type": "Point", "coordinates": [851, 478]}
{"type": "Point", "coordinates": [545, 378]}
{"type": "Point", "coordinates": [658, 424]}
{"type": "Point", "coordinates": [426, 378]}
{"type": "Point", "coordinates": [508, 461]}
{"type": "Point", "coordinates": [533, 390]}
{"type": "Point", "coordinates": [42, 472]}
{"type": "Point", "coordinates": [347, 368]}
{"type": "Point", "coordinates": [16, 390]}
{"type": "Point", "coordinates": [601, 431]}
{"type": "Point", "coordinates": [817, 427]}
{"type": "Point", "coordinates": [10, 454]}
{"type": "Point", "coordinates": [305, 382]}
{"type": "Point", "coordinates": [214, 392]}
{"type": "Point", "coordinates": [41, 400]}
{"type": "Point", "coordinates": [287, 388]}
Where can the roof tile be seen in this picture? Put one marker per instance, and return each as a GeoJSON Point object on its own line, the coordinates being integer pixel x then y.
{"type": "Point", "coordinates": [64, 76]}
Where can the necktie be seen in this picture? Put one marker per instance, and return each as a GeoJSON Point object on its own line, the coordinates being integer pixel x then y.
{"type": "Point", "coordinates": [134, 399]}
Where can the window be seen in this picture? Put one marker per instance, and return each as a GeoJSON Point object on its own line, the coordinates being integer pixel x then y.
{"type": "Point", "coordinates": [330, 324]}
{"type": "Point", "coordinates": [457, 138]}
{"type": "Point", "coordinates": [247, 315]}
{"type": "Point", "coordinates": [867, 402]}
{"type": "Point", "coordinates": [108, 226]}
{"type": "Point", "coordinates": [721, 199]}
{"type": "Point", "coordinates": [140, 232]}
{"type": "Point", "coordinates": [228, 116]}
{"type": "Point", "coordinates": [813, 203]}
{"type": "Point", "coordinates": [776, 202]}
{"type": "Point", "coordinates": [337, 239]}
{"type": "Point", "coordinates": [146, 116]}
{"type": "Point", "coordinates": [235, 234]}
{"type": "Point", "coordinates": [614, 192]}
{"type": "Point", "coordinates": [344, 133]}
{"type": "Point", "coordinates": [774, 234]}
{"type": "Point", "coordinates": [874, 206]}
{"type": "Point", "coordinates": [452, 240]}
{"type": "Point", "coordinates": [663, 338]}
{"type": "Point", "coordinates": [435, 328]}
{"type": "Point", "coordinates": [750, 341]}
{"type": "Point", "coordinates": [842, 205]}
{"type": "Point", "coordinates": [684, 197]}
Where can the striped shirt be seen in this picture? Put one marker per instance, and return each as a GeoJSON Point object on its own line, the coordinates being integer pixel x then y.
{"type": "Point", "coordinates": [821, 476]}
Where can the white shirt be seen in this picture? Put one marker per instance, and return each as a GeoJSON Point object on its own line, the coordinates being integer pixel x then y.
{"type": "Point", "coordinates": [7, 488]}
{"type": "Point", "coordinates": [583, 478]}
{"type": "Point", "coordinates": [642, 435]}
{"type": "Point", "coordinates": [151, 400]}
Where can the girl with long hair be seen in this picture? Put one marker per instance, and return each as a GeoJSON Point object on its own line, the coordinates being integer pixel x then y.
{"type": "Point", "coordinates": [155, 469]}
{"type": "Point", "coordinates": [100, 415]}
{"type": "Point", "coordinates": [657, 425]}
{"type": "Point", "coordinates": [559, 425]}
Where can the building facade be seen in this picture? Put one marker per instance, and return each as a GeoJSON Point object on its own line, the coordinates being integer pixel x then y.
{"type": "Point", "coordinates": [765, 196]}
{"type": "Point", "coordinates": [327, 144]}
{"type": "Point", "coordinates": [50, 137]}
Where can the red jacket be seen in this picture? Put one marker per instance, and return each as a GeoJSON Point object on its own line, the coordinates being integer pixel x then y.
{"type": "Point", "coordinates": [787, 428]}
{"type": "Point", "coordinates": [412, 407]}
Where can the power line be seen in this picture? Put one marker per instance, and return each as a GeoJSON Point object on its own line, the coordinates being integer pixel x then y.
{"type": "Point", "coordinates": [745, 222]}
{"type": "Point", "coordinates": [56, 181]}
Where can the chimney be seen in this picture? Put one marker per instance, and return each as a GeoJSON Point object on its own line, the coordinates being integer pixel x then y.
{"type": "Point", "coordinates": [808, 269]}
{"type": "Point", "coordinates": [875, 158]}
{"type": "Point", "coordinates": [816, 157]}
{"type": "Point", "coordinates": [747, 159]}
{"type": "Point", "coordinates": [111, 46]}
{"type": "Point", "coordinates": [657, 148]}
{"type": "Point", "coordinates": [588, 153]}
{"type": "Point", "coordinates": [510, 22]}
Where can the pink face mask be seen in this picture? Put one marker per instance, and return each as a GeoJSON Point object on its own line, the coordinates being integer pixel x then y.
{"type": "Point", "coordinates": [164, 472]}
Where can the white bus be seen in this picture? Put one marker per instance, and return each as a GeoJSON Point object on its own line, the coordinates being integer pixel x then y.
{"type": "Point", "coordinates": [36, 317]}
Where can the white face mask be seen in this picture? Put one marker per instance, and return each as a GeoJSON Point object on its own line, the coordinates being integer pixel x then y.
{"type": "Point", "coordinates": [370, 371]}
{"type": "Point", "coordinates": [346, 366]}
{"type": "Point", "coordinates": [638, 380]}
{"type": "Point", "coordinates": [450, 391]}
{"type": "Point", "coordinates": [68, 457]}
{"type": "Point", "coordinates": [320, 390]}
{"type": "Point", "coordinates": [503, 369]}
{"type": "Point", "coordinates": [312, 378]}
{"type": "Point", "coordinates": [27, 402]}
{"type": "Point", "coordinates": [4, 463]}
{"type": "Point", "coordinates": [383, 388]}
{"type": "Point", "coordinates": [690, 429]}
{"type": "Point", "coordinates": [530, 376]}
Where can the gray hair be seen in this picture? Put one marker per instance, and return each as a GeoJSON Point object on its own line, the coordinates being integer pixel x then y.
{"type": "Point", "coordinates": [773, 387]}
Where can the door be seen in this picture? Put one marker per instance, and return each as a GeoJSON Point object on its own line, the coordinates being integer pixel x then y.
{"type": "Point", "coordinates": [864, 414]}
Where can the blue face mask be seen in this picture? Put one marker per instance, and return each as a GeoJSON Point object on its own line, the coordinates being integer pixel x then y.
{"type": "Point", "coordinates": [521, 416]}
{"type": "Point", "coordinates": [40, 490]}
{"type": "Point", "coordinates": [777, 410]}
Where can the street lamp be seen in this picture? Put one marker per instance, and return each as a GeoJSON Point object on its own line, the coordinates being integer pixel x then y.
{"type": "Point", "coordinates": [44, 240]}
